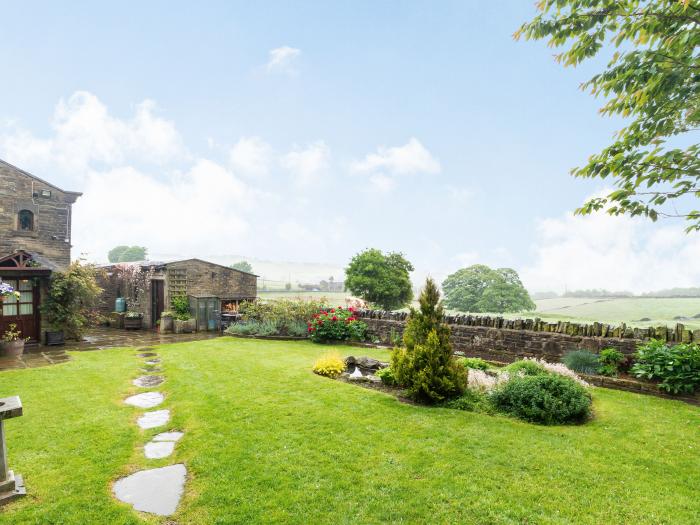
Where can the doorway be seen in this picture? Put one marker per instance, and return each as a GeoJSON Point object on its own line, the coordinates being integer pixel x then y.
{"type": "Point", "coordinates": [157, 301]}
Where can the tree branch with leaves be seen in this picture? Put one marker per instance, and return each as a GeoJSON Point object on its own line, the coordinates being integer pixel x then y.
{"type": "Point", "coordinates": [653, 80]}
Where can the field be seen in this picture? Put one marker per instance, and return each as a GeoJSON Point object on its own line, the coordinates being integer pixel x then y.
{"type": "Point", "coordinates": [267, 441]}
{"type": "Point", "coordinates": [631, 310]}
{"type": "Point", "coordinates": [334, 298]}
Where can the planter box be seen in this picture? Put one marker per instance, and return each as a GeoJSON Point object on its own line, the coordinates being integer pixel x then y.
{"type": "Point", "coordinates": [54, 338]}
{"type": "Point", "coordinates": [133, 324]}
{"type": "Point", "coordinates": [166, 325]}
{"type": "Point", "coordinates": [12, 348]}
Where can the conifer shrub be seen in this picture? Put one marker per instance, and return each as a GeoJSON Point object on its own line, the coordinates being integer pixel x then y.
{"type": "Point", "coordinates": [548, 399]}
{"type": "Point", "coordinates": [425, 366]}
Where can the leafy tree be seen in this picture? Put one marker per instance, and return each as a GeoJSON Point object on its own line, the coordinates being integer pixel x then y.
{"type": "Point", "coordinates": [479, 288]}
{"type": "Point", "coordinates": [243, 266]}
{"type": "Point", "coordinates": [380, 279]}
{"type": "Point", "coordinates": [651, 79]}
{"type": "Point", "coordinates": [72, 296]}
{"type": "Point", "coordinates": [126, 254]}
{"type": "Point", "coordinates": [426, 366]}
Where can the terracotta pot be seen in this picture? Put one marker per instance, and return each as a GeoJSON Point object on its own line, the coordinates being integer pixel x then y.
{"type": "Point", "coordinates": [12, 348]}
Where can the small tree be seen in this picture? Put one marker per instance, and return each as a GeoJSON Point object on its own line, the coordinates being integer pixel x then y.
{"type": "Point", "coordinates": [243, 266]}
{"type": "Point", "coordinates": [124, 253]}
{"type": "Point", "coordinates": [72, 296]}
{"type": "Point", "coordinates": [426, 367]}
{"type": "Point", "coordinates": [479, 288]}
{"type": "Point", "coordinates": [380, 279]}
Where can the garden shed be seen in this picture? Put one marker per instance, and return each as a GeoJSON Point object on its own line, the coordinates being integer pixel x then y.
{"type": "Point", "coordinates": [210, 287]}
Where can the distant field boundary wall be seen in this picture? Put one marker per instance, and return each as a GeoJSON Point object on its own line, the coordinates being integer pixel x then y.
{"type": "Point", "coordinates": [507, 340]}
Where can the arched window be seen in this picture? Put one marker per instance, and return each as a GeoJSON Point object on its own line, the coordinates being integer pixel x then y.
{"type": "Point", "coordinates": [25, 221]}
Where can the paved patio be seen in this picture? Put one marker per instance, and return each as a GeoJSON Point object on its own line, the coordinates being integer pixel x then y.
{"type": "Point", "coordinates": [97, 339]}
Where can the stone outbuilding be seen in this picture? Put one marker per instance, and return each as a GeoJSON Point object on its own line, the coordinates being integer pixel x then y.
{"type": "Point", "coordinates": [211, 288]}
{"type": "Point", "coordinates": [35, 240]}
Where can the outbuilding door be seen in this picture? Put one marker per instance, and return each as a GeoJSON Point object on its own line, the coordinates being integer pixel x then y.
{"type": "Point", "coordinates": [24, 312]}
{"type": "Point", "coordinates": [157, 300]}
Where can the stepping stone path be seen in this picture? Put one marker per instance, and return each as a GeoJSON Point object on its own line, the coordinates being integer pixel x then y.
{"type": "Point", "coordinates": [162, 445]}
{"type": "Point", "coordinates": [148, 381]}
{"type": "Point", "coordinates": [157, 490]}
{"type": "Point", "coordinates": [145, 400]}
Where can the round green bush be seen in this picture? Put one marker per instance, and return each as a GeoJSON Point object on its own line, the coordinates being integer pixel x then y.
{"type": "Point", "coordinates": [526, 367]}
{"type": "Point", "coordinates": [548, 399]}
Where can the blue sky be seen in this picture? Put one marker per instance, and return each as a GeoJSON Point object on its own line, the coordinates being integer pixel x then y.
{"type": "Point", "coordinates": [311, 130]}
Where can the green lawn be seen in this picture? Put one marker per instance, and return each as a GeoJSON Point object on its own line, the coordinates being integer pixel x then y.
{"type": "Point", "coordinates": [268, 441]}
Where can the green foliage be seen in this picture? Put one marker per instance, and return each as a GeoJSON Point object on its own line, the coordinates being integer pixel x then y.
{"type": "Point", "coordinates": [123, 253]}
{"type": "Point", "coordinates": [473, 362]}
{"type": "Point", "coordinates": [526, 367]}
{"type": "Point", "coordinates": [380, 279]}
{"type": "Point", "coordinates": [336, 324]}
{"type": "Point", "coordinates": [329, 365]}
{"type": "Point", "coordinates": [651, 81]}
{"type": "Point", "coordinates": [581, 361]}
{"type": "Point", "coordinates": [73, 294]}
{"type": "Point", "coordinates": [676, 367]}
{"type": "Point", "coordinates": [181, 307]}
{"type": "Point", "coordinates": [387, 376]}
{"type": "Point", "coordinates": [479, 288]}
{"type": "Point", "coordinates": [610, 359]}
{"type": "Point", "coordinates": [472, 401]}
{"type": "Point", "coordinates": [296, 328]}
{"type": "Point", "coordinates": [548, 399]}
{"type": "Point", "coordinates": [289, 315]}
{"type": "Point", "coordinates": [243, 266]}
{"type": "Point", "coordinates": [426, 367]}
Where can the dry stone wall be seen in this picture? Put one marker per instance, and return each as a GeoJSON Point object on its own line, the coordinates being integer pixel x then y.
{"type": "Point", "coordinates": [507, 340]}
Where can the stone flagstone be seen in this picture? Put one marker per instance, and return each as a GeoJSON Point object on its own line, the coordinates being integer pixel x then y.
{"type": "Point", "coordinates": [157, 491]}
{"type": "Point", "coordinates": [145, 400]}
{"type": "Point", "coordinates": [146, 354]}
{"type": "Point", "coordinates": [154, 419]}
{"type": "Point", "coordinates": [162, 445]}
{"type": "Point", "coordinates": [153, 362]}
{"type": "Point", "coordinates": [148, 381]}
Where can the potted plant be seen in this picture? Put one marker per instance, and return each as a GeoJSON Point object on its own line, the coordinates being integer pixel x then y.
{"type": "Point", "coordinates": [13, 342]}
{"type": "Point", "coordinates": [7, 291]}
{"type": "Point", "coordinates": [133, 320]}
{"type": "Point", "coordinates": [166, 322]}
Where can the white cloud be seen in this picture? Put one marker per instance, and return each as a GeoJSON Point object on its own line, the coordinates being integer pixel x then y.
{"type": "Point", "coordinates": [615, 253]}
{"type": "Point", "coordinates": [384, 166]}
{"type": "Point", "coordinates": [251, 156]}
{"type": "Point", "coordinates": [283, 60]}
{"type": "Point", "coordinates": [411, 158]}
{"type": "Point", "coordinates": [85, 133]}
{"type": "Point", "coordinates": [308, 164]}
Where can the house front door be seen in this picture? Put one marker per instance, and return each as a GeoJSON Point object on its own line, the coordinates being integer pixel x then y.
{"type": "Point", "coordinates": [23, 312]}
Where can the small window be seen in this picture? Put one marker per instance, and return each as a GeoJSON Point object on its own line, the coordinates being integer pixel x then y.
{"type": "Point", "coordinates": [25, 221]}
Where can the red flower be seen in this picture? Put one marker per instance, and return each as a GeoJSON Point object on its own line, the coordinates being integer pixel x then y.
{"type": "Point", "coordinates": [351, 309]}
{"type": "Point", "coordinates": [332, 310]}
{"type": "Point", "coordinates": [335, 318]}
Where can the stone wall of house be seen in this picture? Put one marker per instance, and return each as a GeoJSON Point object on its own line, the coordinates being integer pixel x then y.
{"type": "Point", "coordinates": [52, 216]}
{"type": "Point", "coordinates": [205, 278]}
{"type": "Point", "coordinates": [504, 340]}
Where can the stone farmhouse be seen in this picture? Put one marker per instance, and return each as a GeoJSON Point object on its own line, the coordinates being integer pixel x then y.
{"type": "Point", "coordinates": [35, 240]}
